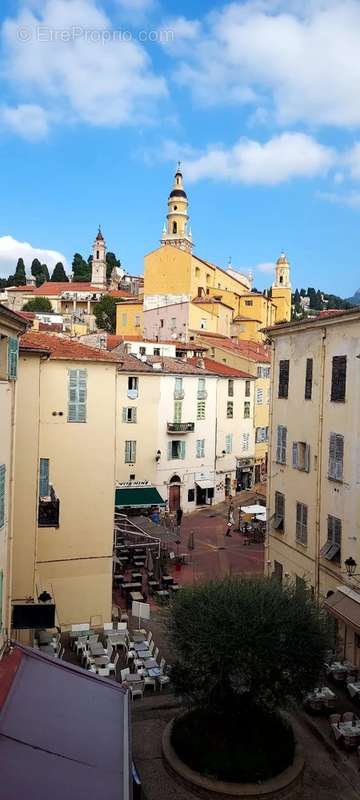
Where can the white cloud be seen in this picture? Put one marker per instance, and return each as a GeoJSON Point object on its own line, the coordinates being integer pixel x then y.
{"type": "Point", "coordinates": [135, 5]}
{"type": "Point", "coordinates": [348, 199]}
{"type": "Point", "coordinates": [69, 57]}
{"type": "Point", "coordinates": [11, 249]}
{"type": "Point", "coordinates": [299, 60]}
{"type": "Point", "coordinates": [352, 160]}
{"type": "Point", "coordinates": [266, 266]}
{"type": "Point", "coordinates": [287, 156]}
{"type": "Point", "coordinates": [29, 121]}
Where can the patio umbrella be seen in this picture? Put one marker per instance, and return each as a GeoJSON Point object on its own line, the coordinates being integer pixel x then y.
{"type": "Point", "coordinates": [254, 510]}
{"type": "Point", "coordinates": [149, 564]}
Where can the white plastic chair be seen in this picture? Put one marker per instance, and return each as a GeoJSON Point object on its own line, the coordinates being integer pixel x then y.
{"type": "Point", "coordinates": [156, 653]}
{"type": "Point", "coordinates": [163, 679]}
{"type": "Point", "coordinates": [149, 682]}
{"type": "Point", "coordinates": [108, 626]}
{"type": "Point", "coordinates": [152, 646]}
{"type": "Point", "coordinates": [137, 690]}
{"type": "Point", "coordinates": [124, 673]}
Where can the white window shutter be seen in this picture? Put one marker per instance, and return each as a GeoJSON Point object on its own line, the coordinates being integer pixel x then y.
{"type": "Point", "coordinates": [332, 455]}
{"type": "Point", "coordinates": [124, 415]}
{"type": "Point", "coordinates": [339, 457]}
{"type": "Point", "coordinates": [307, 458]}
{"type": "Point", "coordinates": [295, 454]}
{"type": "Point", "coordinates": [169, 450]}
{"type": "Point", "coordinates": [134, 414]}
{"type": "Point", "coordinates": [44, 477]}
{"type": "Point", "coordinates": [182, 449]}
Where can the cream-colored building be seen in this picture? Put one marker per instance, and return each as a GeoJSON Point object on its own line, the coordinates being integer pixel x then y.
{"type": "Point", "coordinates": [314, 475]}
{"type": "Point", "coordinates": [65, 477]}
{"type": "Point", "coordinates": [11, 326]}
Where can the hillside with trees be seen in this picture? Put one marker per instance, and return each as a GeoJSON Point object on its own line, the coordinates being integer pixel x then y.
{"type": "Point", "coordinates": [310, 301]}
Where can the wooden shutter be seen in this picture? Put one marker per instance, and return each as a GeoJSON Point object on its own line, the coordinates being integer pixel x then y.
{"type": "Point", "coordinates": [2, 494]}
{"type": "Point", "coordinates": [295, 454]}
{"type": "Point", "coordinates": [169, 451]}
{"type": "Point", "coordinates": [77, 395]}
{"type": "Point", "coordinates": [182, 449]}
{"type": "Point", "coordinates": [278, 444]}
{"type": "Point", "coordinates": [124, 415]}
{"type": "Point", "coordinates": [338, 378]}
{"type": "Point", "coordinates": [339, 456]}
{"type": "Point", "coordinates": [283, 378]}
{"type": "Point", "coordinates": [307, 458]}
{"type": "Point", "coordinates": [308, 378]}
{"type": "Point", "coordinates": [332, 455]}
{"type": "Point", "coordinates": [13, 354]}
{"type": "Point", "coordinates": [134, 414]}
{"type": "Point", "coordinates": [283, 444]}
{"type": "Point", "coordinates": [133, 451]}
{"type": "Point", "coordinates": [198, 453]}
{"type": "Point", "coordinates": [44, 478]}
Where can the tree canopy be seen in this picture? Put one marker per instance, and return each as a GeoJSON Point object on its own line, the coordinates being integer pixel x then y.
{"type": "Point", "coordinates": [41, 304]}
{"type": "Point", "coordinates": [59, 273]}
{"type": "Point", "coordinates": [249, 638]}
{"type": "Point", "coordinates": [81, 269]}
{"type": "Point", "coordinates": [105, 313]}
{"type": "Point", "coordinates": [40, 272]}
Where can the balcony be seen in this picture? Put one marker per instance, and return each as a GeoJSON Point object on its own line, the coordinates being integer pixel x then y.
{"type": "Point", "coordinates": [133, 394]}
{"type": "Point", "coordinates": [49, 513]}
{"type": "Point", "coordinates": [179, 394]}
{"type": "Point", "coordinates": [202, 394]}
{"type": "Point", "coordinates": [180, 427]}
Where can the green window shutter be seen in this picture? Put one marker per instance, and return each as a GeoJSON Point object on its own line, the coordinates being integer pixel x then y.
{"type": "Point", "coordinates": [182, 449]}
{"type": "Point", "coordinates": [124, 415]}
{"type": "Point", "coordinates": [44, 477]}
{"type": "Point", "coordinates": [339, 457]}
{"type": "Point", "coordinates": [295, 454]}
{"type": "Point", "coordinates": [77, 395]}
{"type": "Point", "coordinates": [177, 411]}
{"type": "Point", "coordinates": [13, 355]}
{"type": "Point", "coordinates": [169, 451]}
{"type": "Point", "coordinates": [134, 414]}
{"type": "Point", "coordinates": [2, 494]}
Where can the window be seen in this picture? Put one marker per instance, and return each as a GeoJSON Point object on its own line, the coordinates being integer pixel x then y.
{"type": "Point", "coordinates": [161, 323]}
{"type": "Point", "coordinates": [129, 414]}
{"type": "Point", "coordinates": [174, 227]}
{"type": "Point", "coordinates": [137, 321]}
{"type": "Point", "coordinates": [281, 444]}
{"type": "Point", "coordinates": [262, 434]}
{"type": "Point", "coordinates": [200, 409]}
{"type": "Point", "coordinates": [230, 387]}
{"type": "Point", "coordinates": [230, 409]}
{"type": "Point", "coordinates": [142, 351]}
{"type": "Point", "coordinates": [228, 443]}
{"type": "Point", "coordinates": [201, 384]}
{"type": "Point", "coordinates": [278, 571]}
{"type": "Point", "coordinates": [178, 387]}
{"type": "Point", "coordinates": [13, 357]}
{"type": "Point", "coordinates": [263, 372]}
{"type": "Point", "coordinates": [97, 254]}
{"type": "Point", "coordinates": [176, 449]}
{"type": "Point", "coordinates": [259, 397]}
{"type": "Point", "coordinates": [191, 495]}
{"type": "Point", "coordinates": [301, 523]}
{"type": "Point", "coordinates": [279, 517]}
{"type": "Point", "coordinates": [247, 388]}
{"type": "Point", "coordinates": [301, 456]}
{"type": "Point", "coordinates": [2, 494]}
{"type": "Point", "coordinates": [177, 411]}
{"type": "Point", "coordinates": [203, 324]}
{"type": "Point", "coordinates": [332, 549]}
{"type": "Point", "coordinates": [156, 351]}
{"type": "Point", "coordinates": [246, 409]}
{"type": "Point", "coordinates": [124, 320]}
{"type": "Point", "coordinates": [245, 441]}
{"type": "Point", "coordinates": [338, 378]}
{"type": "Point", "coordinates": [77, 395]}
{"type": "Point", "coordinates": [44, 490]}
{"type": "Point", "coordinates": [133, 387]}
{"type": "Point", "coordinates": [308, 378]}
{"type": "Point", "coordinates": [283, 378]}
{"type": "Point", "coordinates": [173, 323]}
{"type": "Point", "coordinates": [248, 302]}
{"type": "Point", "coordinates": [200, 448]}
{"type": "Point", "coordinates": [130, 451]}
{"type": "Point", "coordinates": [336, 456]}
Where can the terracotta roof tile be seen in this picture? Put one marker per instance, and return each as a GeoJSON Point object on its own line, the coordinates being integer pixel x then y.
{"type": "Point", "coordinates": [28, 288]}
{"type": "Point", "coordinates": [255, 351]}
{"type": "Point", "coordinates": [224, 369]}
{"type": "Point", "coordinates": [62, 348]}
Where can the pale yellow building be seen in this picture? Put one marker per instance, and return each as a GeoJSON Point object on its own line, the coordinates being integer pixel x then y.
{"type": "Point", "coordinates": [11, 326]}
{"type": "Point", "coordinates": [314, 474]}
{"type": "Point", "coordinates": [65, 477]}
{"type": "Point", "coordinates": [129, 318]}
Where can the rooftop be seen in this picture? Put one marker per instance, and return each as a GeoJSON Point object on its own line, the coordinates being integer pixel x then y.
{"type": "Point", "coordinates": [62, 348]}
{"type": "Point", "coordinates": [55, 288]}
{"type": "Point", "coordinates": [225, 370]}
{"type": "Point", "coordinates": [329, 317]}
{"type": "Point", "coordinates": [168, 365]}
{"type": "Point", "coordinates": [114, 340]}
{"type": "Point", "coordinates": [254, 351]}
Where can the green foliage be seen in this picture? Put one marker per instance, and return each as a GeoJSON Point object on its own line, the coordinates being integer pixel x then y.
{"type": "Point", "coordinates": [40, 272]}
{"type": "Point", "coordinates": [59, 273]}
{"type": "Point", "coordinates": [41, 304]}
{"type": "Point", "coordinates": [105, 314]}
{"type": "Point", "coordinates": [111, 262]}
{"type": "Point", "coordinates": [20, 274]}
{"type": "Point", "coordinates": [240, 637]}
{"type": "Point", "coordinates": [81, 269]}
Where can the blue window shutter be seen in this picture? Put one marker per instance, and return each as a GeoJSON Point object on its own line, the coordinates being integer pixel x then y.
{"type": "Point", "coordinates": [44, 477]}
{"type": "Point", "coordinates": [13, 355]}
{"type": "Point", "coordinates": [77, 395]}
{"type": "Point", "coordinates": [2, 494]}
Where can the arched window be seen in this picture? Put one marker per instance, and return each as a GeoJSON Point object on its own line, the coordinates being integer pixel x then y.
{"type": "Point", "coordinates": [174, 227]}
{"type": "Point", "coordinates": [281, 279]}
{"type": "Point", "coordinates": [97, 254]}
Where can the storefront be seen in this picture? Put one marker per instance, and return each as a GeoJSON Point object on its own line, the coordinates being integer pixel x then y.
{"type": "Point", "coordinates": [140, 497]}
{"type": "Point", "coordinates": [344, 605]}
{"type": "Point", "coordinates": [204, 488]}
{"type": "Point", "coordinates": [244, 473]}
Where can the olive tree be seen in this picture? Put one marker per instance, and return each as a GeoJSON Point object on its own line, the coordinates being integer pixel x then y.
{"type": "Point", "coordinates": [248, 639]}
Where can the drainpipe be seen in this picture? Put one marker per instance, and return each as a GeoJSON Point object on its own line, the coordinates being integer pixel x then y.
{"type": "Point", "coordinates": [319, 468]}
{"type": "Point", "coordinates": [269, 474]}
{"type": "Point", "coordinates": [10, 537]}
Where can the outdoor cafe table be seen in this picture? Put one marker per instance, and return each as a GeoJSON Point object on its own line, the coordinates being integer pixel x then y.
{"type": "Point", "coordinates": [136, 596]}
{"type": "Point", "coordinates": [347, 730]}
{"type": "Point", "coordinates": [150, 663]}
{"type": "Point", "coordinates": [130, 587]}
{"type": "Point", "coordinates": [154, 672]}
{"type": "Point", "coordinates": [336, 666]}
{"type": "Point", "coordinates": [354, 689]}
{"type": "Point", "coordinates": [96, 649]}
{"type": "Point", "coordinates": [144, 645]}
{"type": "Point", "coordinates": [323, 694]}
{"type": "Point", "coordinates": [162, 593]}
{"type": "Point", "coordinates": [143, 654]}
{"type": "Point", "coordinates": [44, 637]}
{"type": "Point", "coordinates": [132, 678]}
{"type": "Point", "coordinates": [116, 638]}
{"type": "Point", "coordinates": [167, 580]}
{"type": "Point", "coordinates": [136, 576]}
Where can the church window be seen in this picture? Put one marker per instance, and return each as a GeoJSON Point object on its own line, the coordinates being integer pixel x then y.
{"type": "Point", "coordinates": [97, 254]}
{"type": "Point", "coordinates": [281, 279]}
{"type": "Point", "coordinates": [174, 227]}
{"type": "Point", "coordinates": [175, 208]}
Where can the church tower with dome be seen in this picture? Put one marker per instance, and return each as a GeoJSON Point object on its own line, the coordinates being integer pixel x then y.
{"type": "Point", "coordinates": [176, 230]}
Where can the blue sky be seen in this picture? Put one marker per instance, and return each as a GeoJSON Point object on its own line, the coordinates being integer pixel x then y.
{"type": "Point", "coordinates": [259, 100]}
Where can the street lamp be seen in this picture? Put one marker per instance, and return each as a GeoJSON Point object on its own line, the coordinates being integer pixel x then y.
{"type": "Point", "coordinates": [350, 565]}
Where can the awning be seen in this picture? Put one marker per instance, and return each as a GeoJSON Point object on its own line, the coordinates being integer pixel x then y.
{"type": "Point", "coordinates": [345, 608]}
{"type": "Point", "coordinates": [205, 484]}
{"type": "Point", "coordinates": [255, 510]}
{"type": "Point", "coordinates": [139, 497]}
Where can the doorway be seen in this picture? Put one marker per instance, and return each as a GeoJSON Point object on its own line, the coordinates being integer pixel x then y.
{"type": "Point", "coordinates": [174, 494]}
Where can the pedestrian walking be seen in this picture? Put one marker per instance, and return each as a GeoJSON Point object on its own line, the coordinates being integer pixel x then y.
{"type": "Point", "coordinates": [179, 516]}
{"type": "Point", "coordinates": [230, 522]}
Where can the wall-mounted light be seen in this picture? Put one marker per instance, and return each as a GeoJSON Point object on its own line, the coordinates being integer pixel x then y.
{"type": "Point", "coordinates": [158, 455]}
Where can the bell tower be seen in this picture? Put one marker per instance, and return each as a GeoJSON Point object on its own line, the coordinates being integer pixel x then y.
{"type": "Point", "coordinates": [281, 290]}
{"type": "Point", "coordinates": [98, 269]}
{"type": "Point", "coordinates": [176, 231]}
